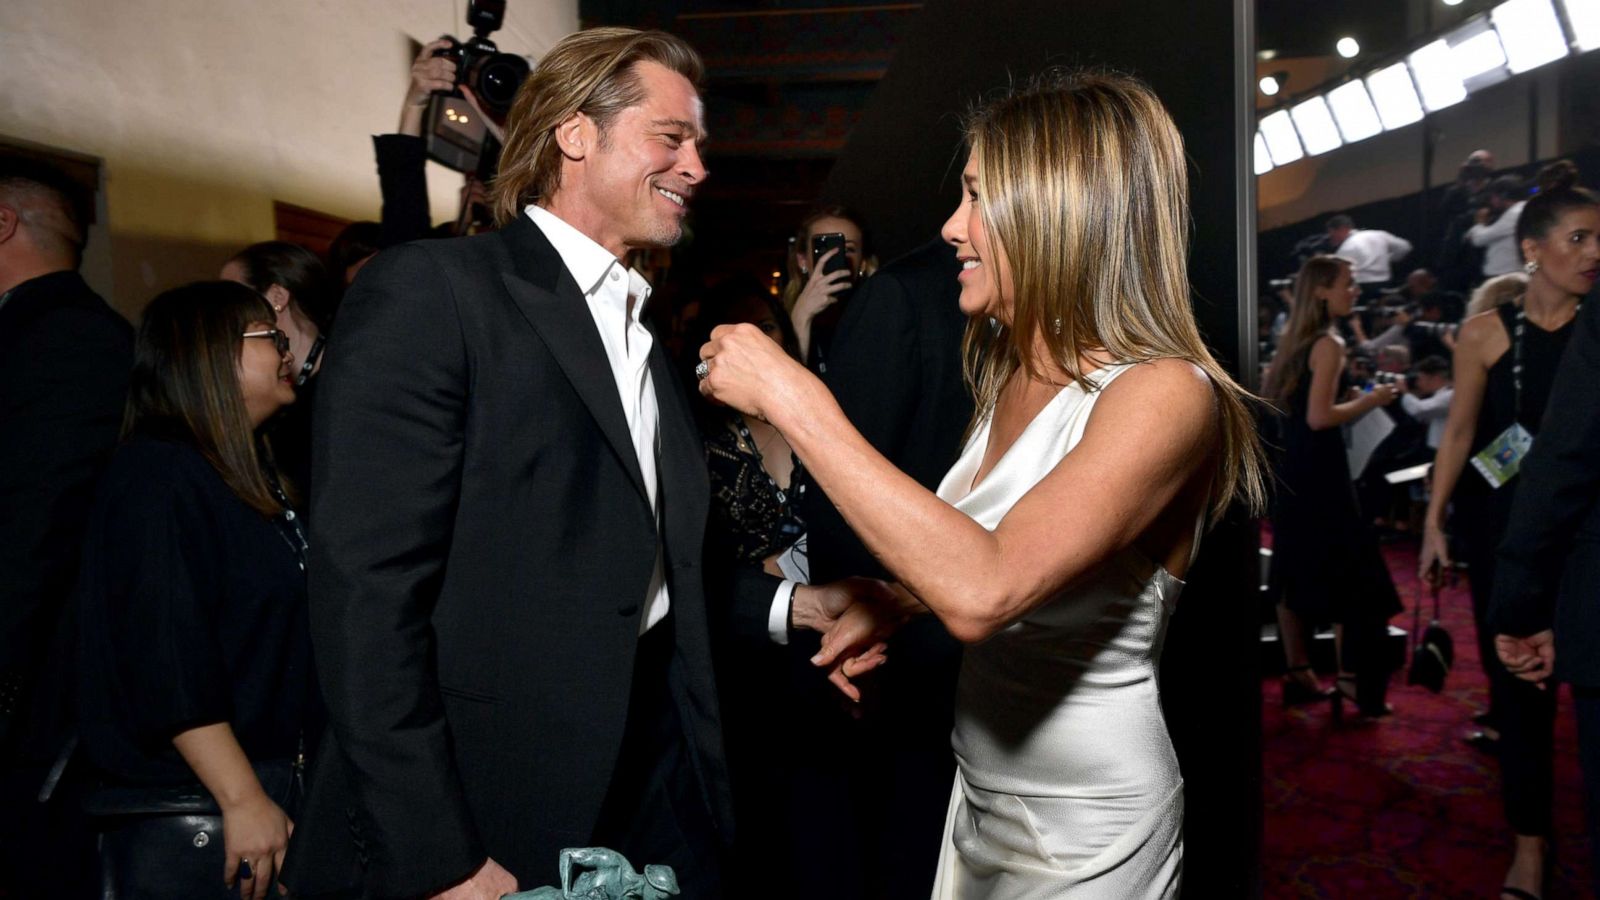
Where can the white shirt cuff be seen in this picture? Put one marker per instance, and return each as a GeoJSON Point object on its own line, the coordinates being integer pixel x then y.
{"type": "Point", "coordinates": [778, 615]}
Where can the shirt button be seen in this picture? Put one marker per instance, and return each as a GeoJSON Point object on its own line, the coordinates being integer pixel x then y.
{"type": "Point", "coordinates": [615, 275]}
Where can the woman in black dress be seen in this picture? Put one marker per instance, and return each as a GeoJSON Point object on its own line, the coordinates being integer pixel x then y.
{"type": "Point", "coordinates": [194, 649]}
{"type": "Point", "coordinates": [755, 480]}
{"type": "Point", "coordinates": [1505, 363]}
{"type": "Point", "coordinates": [1326, 566]}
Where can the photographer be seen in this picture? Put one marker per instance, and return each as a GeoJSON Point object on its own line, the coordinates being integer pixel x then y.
{"type": "Point", "coordinates": [1495, 228]}
{"type": "Point", "coordinates": [1427, 398]}
{"type": "Point", "coordinates": [816, 291]}
{"type": "Point", "coordinates": [403, 156]}
{"type": "Point", "coordinates": [1458, 262]}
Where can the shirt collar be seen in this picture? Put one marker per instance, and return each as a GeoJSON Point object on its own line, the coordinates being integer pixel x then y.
{"type": "Point", "coordinates": [588, 262]}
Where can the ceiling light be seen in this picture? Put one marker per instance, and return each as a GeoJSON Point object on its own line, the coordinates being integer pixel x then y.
{"type": "Point", "coordinates": [1263, 159]}
{"type": "Point", "coordinates": [1584, 17]}
{"type": "Point", "coordinates": [1530, 33]}
{"type": "Point", "coordinates": [1282, 142]}
{"type": "Point", "coordinates": [1438, 79]}
{"type": "Point", "coordinates": [1479, 54]}
{"type": "Point", "coordinates": [1395, 96]}
{"type": "Point", "coordinates": [1353, 110]}
{"type": "Point", "coordinates": [1452, 2]}
{"type": "Point", "coordinates": [1347, 47]}
{"type": "Point", "coordinates": [1315, 124]}
{"type": "Point", "coordinates": [1269, 86]}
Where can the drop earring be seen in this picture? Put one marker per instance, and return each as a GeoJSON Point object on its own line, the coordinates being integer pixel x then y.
{"type": "Point", "coordinates": [1531, 266]}
{"type": "Point", "coordinates": [1056, 326]}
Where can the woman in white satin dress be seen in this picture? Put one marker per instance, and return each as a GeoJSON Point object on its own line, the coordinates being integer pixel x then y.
{"type": "Point", "coordinates": [1106, 435]}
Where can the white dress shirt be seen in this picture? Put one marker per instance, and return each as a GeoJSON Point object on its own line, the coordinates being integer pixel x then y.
{"type": "Point", "coordinates": [1499, 242]}
{"type": "Point", "coordinates": [616, 298]}
{"type": "Point", "coordinates": [1432, 410]}
{"type": "Point", "coordinates": [1371, 252]}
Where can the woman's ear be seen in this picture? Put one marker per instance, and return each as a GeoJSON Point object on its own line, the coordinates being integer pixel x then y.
{"type": "Point", "coordinates": [279, 297]}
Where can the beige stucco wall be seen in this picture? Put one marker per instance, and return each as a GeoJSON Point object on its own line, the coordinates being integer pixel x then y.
{"type": "Point", "coordinates": [206, 111]}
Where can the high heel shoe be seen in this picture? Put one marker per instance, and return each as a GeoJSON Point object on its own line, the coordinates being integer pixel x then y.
{"type": "Point", "coordinates": [1298, 693]}
{"type": "Point", "coordinates": [1341, 694]}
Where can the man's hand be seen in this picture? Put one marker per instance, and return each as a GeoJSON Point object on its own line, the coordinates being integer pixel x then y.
{"type": "Point", "coordinates": [490, 882]}
{"type": "Point", "coordinates": [819, 606]}
{"type": "Point", "coordinates": [1530, 658]}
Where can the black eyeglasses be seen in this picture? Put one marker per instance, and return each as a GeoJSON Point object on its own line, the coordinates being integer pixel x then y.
{"type": "Point", "coordinates": [279, 339]}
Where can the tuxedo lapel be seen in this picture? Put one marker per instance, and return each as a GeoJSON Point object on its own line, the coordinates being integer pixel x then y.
{"type": "Point", "coordinates": [549, 298]}
{"type": "Point", "coordinates": [682, 471]}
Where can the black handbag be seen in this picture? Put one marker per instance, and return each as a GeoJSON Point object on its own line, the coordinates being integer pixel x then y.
{"type": "Point", "coordinates": [1434, 651]}
{"type": "Point", "coordinates": [166, 841]}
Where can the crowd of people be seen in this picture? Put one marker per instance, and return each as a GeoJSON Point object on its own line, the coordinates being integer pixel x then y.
{"type": "Point", "coordinates": [1474, 383]}
{"type": "Point", "coordinates": [399, 571]}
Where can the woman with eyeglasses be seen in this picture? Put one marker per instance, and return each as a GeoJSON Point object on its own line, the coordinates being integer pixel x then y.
{"type": "Point", "coordinates": [195, 686]}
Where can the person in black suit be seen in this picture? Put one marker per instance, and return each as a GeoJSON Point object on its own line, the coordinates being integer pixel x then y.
{"type": "Point", "coordinates": [1545, 609]}
{"type": "Point", "coordinates": [507, 603]}
{"type": "Point", "coordinates": [64, 362]}
{"type": "Point", "coordinates": [895, 365]}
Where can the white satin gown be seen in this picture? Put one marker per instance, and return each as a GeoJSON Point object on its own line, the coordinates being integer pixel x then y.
{"type": "Point", "coordinates": [1066, 783]}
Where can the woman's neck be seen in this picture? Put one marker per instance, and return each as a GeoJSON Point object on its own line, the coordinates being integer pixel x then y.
{"type": "Point", "coordinates": [1548, 306]}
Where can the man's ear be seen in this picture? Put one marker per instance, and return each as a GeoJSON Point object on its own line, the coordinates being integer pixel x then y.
{"type": "Point", "coordinates": [575, 136]}
{"type": "Point", "coordinates": [10, 221]}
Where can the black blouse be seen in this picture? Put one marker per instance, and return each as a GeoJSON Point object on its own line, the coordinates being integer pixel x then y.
{"type": "Point", "coordinates": [751, 516]}
{"type": "Point", "coordinates": [192, 611]}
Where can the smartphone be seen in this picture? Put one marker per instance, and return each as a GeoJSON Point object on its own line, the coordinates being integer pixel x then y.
{"type": "Point", "coordinates": [822, 243]}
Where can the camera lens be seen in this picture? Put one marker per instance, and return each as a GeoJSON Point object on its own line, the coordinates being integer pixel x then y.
{"type": "Point", "coordinates": [498, 78]}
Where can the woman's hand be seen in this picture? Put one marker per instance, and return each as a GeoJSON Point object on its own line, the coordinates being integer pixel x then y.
{"type": "Point", "coordinates": [255, 833]}
{"type": "Point", "coordinates": [1433, 559]}
{"type": "Point", "coordinates": [821, 291]}
{"type": "Point", "coordinates": [750, 372]}
{"type": "Point", "coordinates": [1383, 394]}
{"type": "Point", "coordinates": [854, 645]}
{"type": "Point", "coordinates": [429, 74]}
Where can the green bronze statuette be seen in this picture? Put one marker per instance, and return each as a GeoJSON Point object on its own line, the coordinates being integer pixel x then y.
{"type": "Point", "coordinates": [603, 874]}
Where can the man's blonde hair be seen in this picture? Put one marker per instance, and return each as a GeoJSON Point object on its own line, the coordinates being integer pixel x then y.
{"type": "Point", "coordinates": [592, 72]}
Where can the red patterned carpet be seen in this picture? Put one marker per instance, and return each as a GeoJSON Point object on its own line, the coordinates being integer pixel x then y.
{"type": "Point", "coordinates": [1403, 807]}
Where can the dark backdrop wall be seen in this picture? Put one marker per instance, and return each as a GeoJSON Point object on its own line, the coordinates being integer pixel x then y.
{"type": "Point", "coordinates": [901, 168]}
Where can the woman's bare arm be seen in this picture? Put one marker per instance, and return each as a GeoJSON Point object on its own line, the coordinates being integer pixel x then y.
{"type": "Point", "coordinates": [1147, 437]}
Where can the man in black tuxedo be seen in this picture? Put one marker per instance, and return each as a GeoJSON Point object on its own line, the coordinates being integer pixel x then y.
{"type": "Point", "coordinates": [64, 362]}
{"type": "Point", "coordinates": [895, 367]}
{"type": "Point", "coordinates": [506, 590]}
{"type": "Point", "coordinates": [1545, 610]}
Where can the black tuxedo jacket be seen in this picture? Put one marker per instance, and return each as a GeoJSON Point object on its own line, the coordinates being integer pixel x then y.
{"type": "Point", "coordinates": [895, 367]}
{"type": "Point", "coordinates": [1549, 561]}
{"type": "Point", "coordinates": [64, 361]}
{"type": "Point", "coordinates": [481, 547]}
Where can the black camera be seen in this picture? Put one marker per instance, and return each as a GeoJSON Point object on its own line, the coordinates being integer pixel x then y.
{"type": "Point", "coordinates": [492, 75]}
{"type": "Point", "coordinates": [1438, 329]}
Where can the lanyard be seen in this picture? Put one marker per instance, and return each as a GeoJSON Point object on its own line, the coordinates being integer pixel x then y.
{"type": "Point", "coordinates": [311, 360]}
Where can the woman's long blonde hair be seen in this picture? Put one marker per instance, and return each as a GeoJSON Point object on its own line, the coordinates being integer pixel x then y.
{"type": "Point", "coordinates": [1308, 320]}
{"type": "Point", "coordinates": [1085, 188]}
